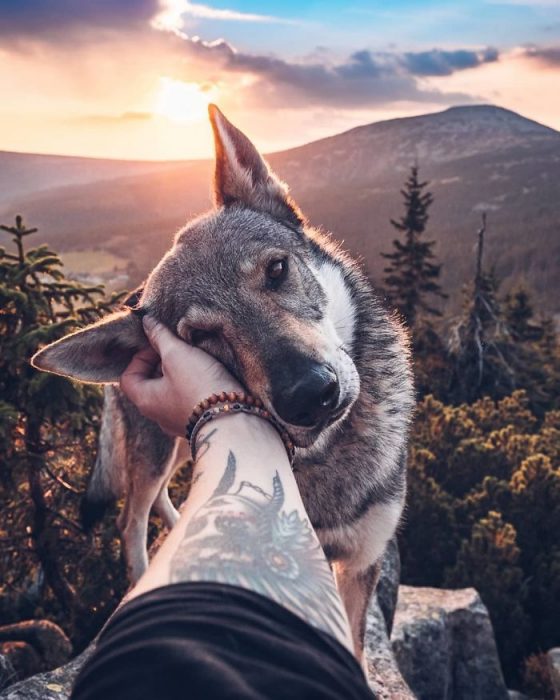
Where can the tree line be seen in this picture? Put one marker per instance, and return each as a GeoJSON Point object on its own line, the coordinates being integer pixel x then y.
{"type": "Point", "coordinates": [484, 464]}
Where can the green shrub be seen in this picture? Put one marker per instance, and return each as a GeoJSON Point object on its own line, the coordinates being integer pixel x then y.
{"type": "Point", "coordinates": [484, 511]}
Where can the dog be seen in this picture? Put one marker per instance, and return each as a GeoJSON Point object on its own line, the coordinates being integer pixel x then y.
{"type": "Point", "coordinates": [296, 320]}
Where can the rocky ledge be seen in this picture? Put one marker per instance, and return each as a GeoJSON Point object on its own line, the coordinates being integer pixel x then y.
{"type": "Point", "coordinates": [444, 645]}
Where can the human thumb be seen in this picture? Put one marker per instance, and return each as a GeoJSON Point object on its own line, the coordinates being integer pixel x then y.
{"type": "Point", "coordinates": [160, 337]}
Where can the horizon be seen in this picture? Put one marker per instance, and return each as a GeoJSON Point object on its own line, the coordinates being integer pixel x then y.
{"type": "Point", "coordinates": [270, 153]}
{"type": "Point", "coordinates": [132, 81]}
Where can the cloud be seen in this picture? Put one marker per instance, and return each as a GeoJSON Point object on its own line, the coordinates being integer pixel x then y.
{"type": "Point", "coordinates": [149, 33]}
{"type": "Point", "coordinates": [439, 62]}
{"type": "Point", "coordinates": [364, 78]}
{"type": "Point", "coordinates": [172, 12]}
{"type": "Point", "coordinates": [548, 55]}
{"type": "Point", "coordinates": [44, 18]}
{"type": "Point", "coordinates": [49, 20]}
{"type": "Point", "coordinates": [103, 119]}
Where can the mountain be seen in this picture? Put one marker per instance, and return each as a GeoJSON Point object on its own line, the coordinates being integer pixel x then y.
{"type": "Point", "coordinates": [476, 158]}
{"type": "Point", "coordinates": [24, 173]}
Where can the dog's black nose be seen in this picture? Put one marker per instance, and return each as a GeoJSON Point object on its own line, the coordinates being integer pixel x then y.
{"type": "Point", "coordinates": [311, 397]}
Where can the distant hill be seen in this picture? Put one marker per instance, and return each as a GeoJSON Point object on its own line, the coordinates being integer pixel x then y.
{"type": "Point", "coordinates": [25, 173]}
{"type": "Point", "coordinates": [477, 158]}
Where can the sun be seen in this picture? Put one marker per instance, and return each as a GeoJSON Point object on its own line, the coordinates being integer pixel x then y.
{"type": "Point", "coordinates": [182, 102]}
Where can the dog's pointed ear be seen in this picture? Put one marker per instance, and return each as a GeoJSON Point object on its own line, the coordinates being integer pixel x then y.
{"type": "Point", "coordinates": [243, 176]}
{"type": "Point", "coordinates": [99, 353]}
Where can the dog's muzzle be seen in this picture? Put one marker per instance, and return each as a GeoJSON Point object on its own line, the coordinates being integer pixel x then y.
{"type": "Point", "coordinates": [310, 398]}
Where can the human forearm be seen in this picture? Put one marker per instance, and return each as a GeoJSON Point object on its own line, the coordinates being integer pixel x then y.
{"type": "Point", "coordinates": [244, 524]}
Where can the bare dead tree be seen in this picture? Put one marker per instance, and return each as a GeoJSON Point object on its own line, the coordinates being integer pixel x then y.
{"type": "Point", "coordinates": [477, 338]}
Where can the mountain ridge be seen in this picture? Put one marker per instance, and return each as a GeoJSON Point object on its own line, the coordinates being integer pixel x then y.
{"type": "Point", "coordinates": [477, 158]}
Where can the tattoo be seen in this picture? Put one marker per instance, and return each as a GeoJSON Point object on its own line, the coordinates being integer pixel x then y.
{"type": "Point", "coordinates": [243, 537]}
{"type": "Point", "coordinates": [196, 477]}
{"type": "Point", "coordinates": [204, 443]}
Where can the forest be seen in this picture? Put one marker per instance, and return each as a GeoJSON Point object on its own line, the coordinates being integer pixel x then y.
{"type": "Point", "coordinates": [484, 463]}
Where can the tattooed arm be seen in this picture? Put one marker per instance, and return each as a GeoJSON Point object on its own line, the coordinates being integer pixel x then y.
{"type": "Point", "coordinates": [244, 524]}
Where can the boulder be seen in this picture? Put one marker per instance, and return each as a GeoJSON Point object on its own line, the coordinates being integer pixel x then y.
{"type": "Point", "coordinates": [23, 660]}
{"type": "Point", "coordinates": [444, 645]}
{"type": "Point", "coordinates": [553, 657]}
{"type": "Point", "coordinates": [7, 672]}
{"type": "Point", "coordinates": [52, 685]}
{"type": "Point", "coordinates": [385, 678]}
{"type": "Point", "coordinates": [41, 639]}
{"type": "Point", "coordinates": [388, 586]}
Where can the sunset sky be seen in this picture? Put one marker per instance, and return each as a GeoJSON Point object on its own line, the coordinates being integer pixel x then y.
{"type": "Point", "coordinates": [132, 78]}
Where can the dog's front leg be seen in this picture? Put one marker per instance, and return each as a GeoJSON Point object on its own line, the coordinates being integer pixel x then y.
{"type": "Point", "coordinates": [357, 552]}
{"type": "Point", "coordinates": [356, 587]}
{"type": "Point", "coordinates": [163, 505]}
{"type": "Point", "coordinates": [133, 521]}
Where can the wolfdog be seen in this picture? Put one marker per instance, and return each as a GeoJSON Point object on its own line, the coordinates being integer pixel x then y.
{"type": "Point", "coordinates": [297, 321]}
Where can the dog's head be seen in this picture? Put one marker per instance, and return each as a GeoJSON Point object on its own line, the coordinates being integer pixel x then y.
{"type": "Point", "coordinates": [247, 283]}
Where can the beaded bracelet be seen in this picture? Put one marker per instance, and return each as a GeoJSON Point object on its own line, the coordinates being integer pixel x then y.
{"type": "Point", "coordinates": [231, 403]}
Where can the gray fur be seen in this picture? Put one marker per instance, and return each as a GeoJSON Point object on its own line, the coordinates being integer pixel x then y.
{"type": "Point", "coordinates": [351, 473]}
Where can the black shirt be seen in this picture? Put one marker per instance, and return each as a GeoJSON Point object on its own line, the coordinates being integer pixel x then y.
{"type": "Point", "coordinates": [204, 641]}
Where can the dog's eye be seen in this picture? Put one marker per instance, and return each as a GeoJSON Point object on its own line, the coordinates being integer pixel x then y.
{"type": "Point", "coordinates": [276, 272]}
{"type": "Point", "coordinates": [198, 336]}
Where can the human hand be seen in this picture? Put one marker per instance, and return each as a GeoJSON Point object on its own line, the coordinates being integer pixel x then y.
{"type": "Point", "coordinates": [188, 375]}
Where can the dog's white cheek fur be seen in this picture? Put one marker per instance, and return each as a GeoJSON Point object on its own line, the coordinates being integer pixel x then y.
{"type": "Point", "coordinates": [340, 310]}
{"type": "Point", "coordinates": [337, 328]}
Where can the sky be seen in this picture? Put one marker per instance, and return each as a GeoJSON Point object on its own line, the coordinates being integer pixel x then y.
{"type": "Point", "coordinates": [133, 78]}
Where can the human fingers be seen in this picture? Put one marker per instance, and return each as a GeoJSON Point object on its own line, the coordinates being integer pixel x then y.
{"type": "Point", "coordinates": [160, 337]}
{"type": "Point", "coordinates": [179, 359]}
{"type": "Point", "coordinates": [139, 372]}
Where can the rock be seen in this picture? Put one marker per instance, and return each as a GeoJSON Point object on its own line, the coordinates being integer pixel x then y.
{"type": "Point", "coordinates": [51, 646]}
{"type": "Point", "coordinates": [7, 672]}
{"type": "Point", "coordinates": [23, 658]}
{"type": "Point", "coordinates": [385, 678]}
{"type": "Point", "coordinates": [52, 685]}
{"type": "Point", "coordinates": [388, 586]}
{"type": "Point", "coordinates": [516, 695]}
{"type": "Point", "coordinates": [444, 645]}
{"type": "Point", "coordinates": [553, 657]}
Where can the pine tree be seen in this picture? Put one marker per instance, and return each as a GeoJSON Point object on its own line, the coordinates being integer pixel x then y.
{"type": "Point", "coordinates": [497, 346]}
{"type": "Point", "coordinates": [520, 316]}
{"type": "Point", "coordinates": [411, 275]}
{"type": "Point", "coordinates": [47, 437]}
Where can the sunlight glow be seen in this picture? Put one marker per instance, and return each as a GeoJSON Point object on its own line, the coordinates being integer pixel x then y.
{"type": "Point", "coordinates": [171, 16]}
{"type": "Point", "coordinates": [183, 102]}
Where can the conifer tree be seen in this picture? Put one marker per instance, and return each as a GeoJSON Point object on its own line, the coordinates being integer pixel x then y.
{"type": "Point", "coordinates": [520, 316]}
{"type": "Point", "coordinates": [411, 276]}
{"type": "Point", "coordinates": [497, 346]}
{"type": "Point", "coordinates": [47, 433]}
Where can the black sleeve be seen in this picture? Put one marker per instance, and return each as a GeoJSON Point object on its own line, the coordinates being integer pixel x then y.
{"type": "Point", "coordinates": [206, 641]}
